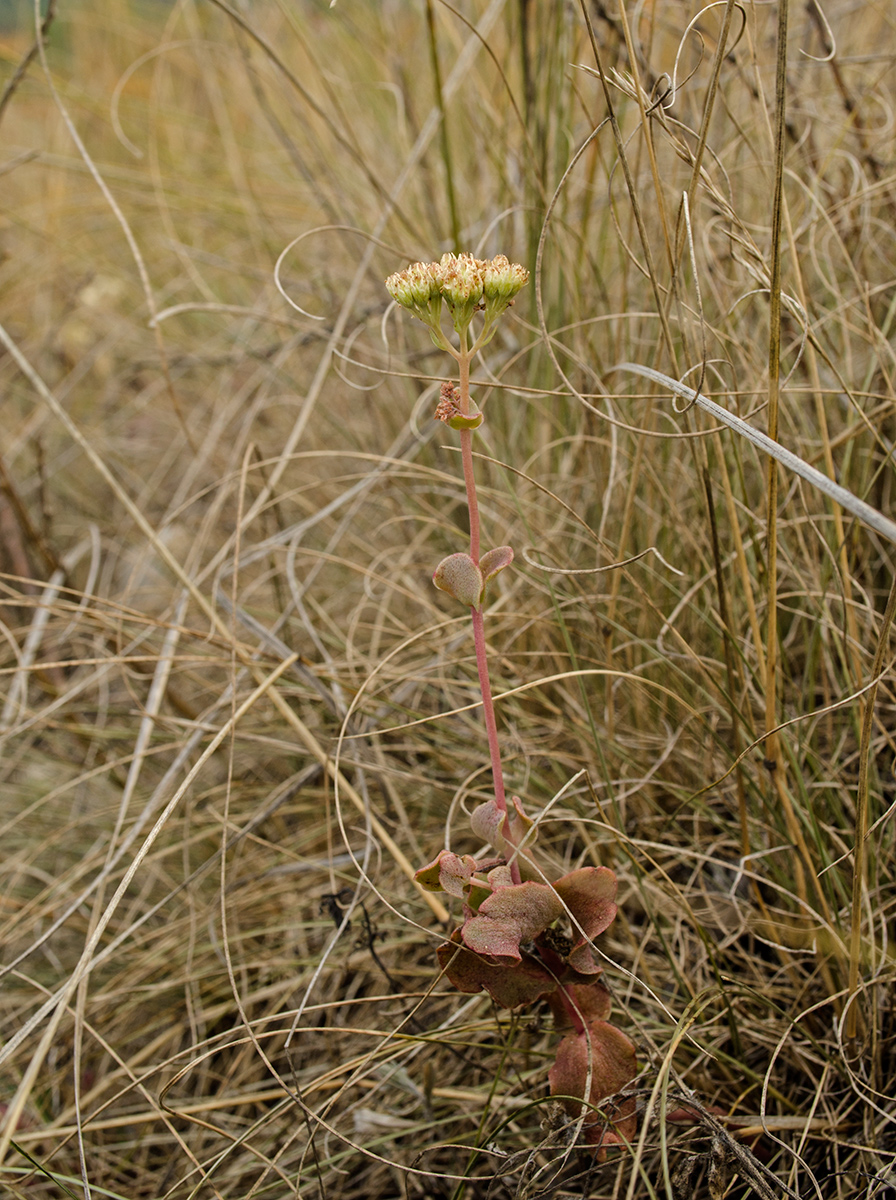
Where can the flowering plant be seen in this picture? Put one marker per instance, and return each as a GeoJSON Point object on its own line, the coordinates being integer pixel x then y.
{"type": "Point", "coordinates": [523, 937]}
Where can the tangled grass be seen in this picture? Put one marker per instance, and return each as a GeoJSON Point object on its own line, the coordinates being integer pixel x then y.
{"type": "Point", "coordinates": [236, 714]}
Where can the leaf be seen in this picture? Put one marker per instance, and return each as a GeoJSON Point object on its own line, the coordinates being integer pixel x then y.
{"type": "Point", "coordinates": [494, 561]}
{"type": "Point", "coordinates": [500, 876]}
{"type": "Point", "coordinates": [509, 984]}
{"type": "Point", "coordinates": [590, 894]}
{"type": "Point", "coordinates": [472, 421]}
{"type": "Point", "coordinates": [490, 823]}
{"type": "Point", "coordinates": [447, 872]}
{"type": "Point", "coordinates": [459, 576]}
{"type": "Point", "coordinates": [588, 998]}
{"type": "Point", "coordinates": [613, 1065]}
{"type": "Point", "coordinates": [509, 916]}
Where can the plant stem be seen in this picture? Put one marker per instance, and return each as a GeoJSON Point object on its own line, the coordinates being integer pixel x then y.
{"type": "Point", "coordinates": [466, 451]}
{"type": "Point", "coordinates": [488, 706]}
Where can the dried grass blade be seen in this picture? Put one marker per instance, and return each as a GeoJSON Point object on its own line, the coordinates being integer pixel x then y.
{"type": "Point", "coordinates": [792, 462]}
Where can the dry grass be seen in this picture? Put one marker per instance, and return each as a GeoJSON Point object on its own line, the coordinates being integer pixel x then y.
{"type": "Point", "coordinates": [231, 698]}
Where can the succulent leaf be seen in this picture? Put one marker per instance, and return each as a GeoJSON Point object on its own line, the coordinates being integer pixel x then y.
{"type": "Point", "coordinates": [459, 576]}
{"type": "Point", "coordinates": [508, 985]}
{"type": "Point", "coordinates": [611, 1057]}
{"type": "Point", "coordinates": [509, 916]}
{"type": "Point", "coordinates": [459, 421]}
{"type": "Point", "coordinates": [492, 825]}
{"type": "Point", "coordinates": [494, 561]}
{"type": "Point", "coordinates": [448, 872]}
{"type": "Point", "coordinates": [589, 893]}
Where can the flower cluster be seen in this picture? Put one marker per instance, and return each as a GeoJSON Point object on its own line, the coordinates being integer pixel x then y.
{"type": "Point", "coordinates": [533, 940]}
{"type": "Point", "coordinates": [466, 284]}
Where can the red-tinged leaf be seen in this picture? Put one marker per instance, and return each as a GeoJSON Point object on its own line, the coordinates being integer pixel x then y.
{"type": "Point", "coordinates": [494, 561]}
{"type": "Point", "coordinates": [613, 1065]}
{"type": "Point", "coordinates": [581, 960]}
{"type": "Point", "coordinates": [509, 985]}
{"type": "Point", "coordinates": [485, 821]}
{"type": "Point", "coordinates": [509, 916]}
{"type": "Point", "coordinates": [491, 824]}
{"type": "Point", "coordinates": [500, 877]}
{"type": "Point", "coordinates": [589, 893]}
{"type": "Point", "coordinates": [448, 872]}
{"type": "Point", "coordinates": [582, 1002]}
{"type": "Point", "coordinates": [459, 576]}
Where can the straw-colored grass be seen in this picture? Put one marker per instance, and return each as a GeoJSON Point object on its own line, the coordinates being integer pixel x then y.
{"type": "Point", "coordinates": [235, 712]}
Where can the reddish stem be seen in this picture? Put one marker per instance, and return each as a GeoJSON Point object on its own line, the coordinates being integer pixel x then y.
{"type": "Point", "coordinates": [466, 451]}
{"type": "Point", "coordinates": [491, 729]}
{"type": "Point", "coordinates": [488, 707]}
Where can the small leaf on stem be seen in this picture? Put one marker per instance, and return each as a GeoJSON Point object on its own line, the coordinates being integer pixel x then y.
{"type": "Point", "coordinates": [459, 576]}
{"type": "Point", "coordinates": [494, 561]}
{"type": "Point", "coordinates": [448, 872]}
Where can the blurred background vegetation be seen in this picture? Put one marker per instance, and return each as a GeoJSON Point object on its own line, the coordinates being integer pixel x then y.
{"type": "Point", "coordinates": [234, 709]}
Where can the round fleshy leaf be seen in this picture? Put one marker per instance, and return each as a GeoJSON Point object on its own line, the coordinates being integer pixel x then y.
{"type": "Point", "coordinates": [509, 916]}
{"type": "Point", "coordinates": [459, 576]}
{"type": "Point", "coordinates": [448, 872]}
{"type": "Point", "coordinates": [589, 893]}
{"type": "Point", "coordinates": [582, 962]}
{"type": "Point", "coordinates": [486, 820]}
{"type": "Point", "coordinates": [508, 984]}
{"type": "Point", "coordinates": [429, 877]}
{"type": "Point", "coordinates": [494, 561]}
{"type": "Point", "coordinates": [490, 824]}
{"type": "Point", "coordinates": [589, 1001]}
{"type": "Point", "coordinates": [500, 876]}
{"type": "Point", "coordinates": [459, 421]}
{"type": "Point", "coordinates": [613, 1065]}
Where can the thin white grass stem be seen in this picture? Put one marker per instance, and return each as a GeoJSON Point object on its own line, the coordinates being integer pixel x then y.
{"type": "Point", "coordinates": [16, 697]}
{"type": "Point", "coordinates": [846, 499]}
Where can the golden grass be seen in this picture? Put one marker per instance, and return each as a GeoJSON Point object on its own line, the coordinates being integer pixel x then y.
{"type": "Point", "coordinates": [235, 712]}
